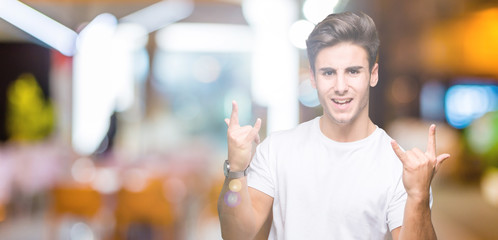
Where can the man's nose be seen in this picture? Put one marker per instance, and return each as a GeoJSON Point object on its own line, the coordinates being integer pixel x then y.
{"type": "Point", "coordinates": [341, 84]}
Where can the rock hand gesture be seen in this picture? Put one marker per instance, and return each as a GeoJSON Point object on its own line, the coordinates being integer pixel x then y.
{"type": "Point", "coordinates": [240, 140]}
{"type": "Point", "coordinates": [418, 167]}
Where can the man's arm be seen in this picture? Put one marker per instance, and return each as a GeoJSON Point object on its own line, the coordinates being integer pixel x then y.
{"type": "Point", "coordinates": [243, 211]}
{"type": "Point", "coordinates": [417, 223]}
{"type": "Point", "coordinates": [418, 170]}
{"type": "Point", "coordinates": [247, 217]}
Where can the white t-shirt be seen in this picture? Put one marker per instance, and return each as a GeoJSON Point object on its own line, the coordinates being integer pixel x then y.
{"type": "Point", "coordinates": [323, 189]}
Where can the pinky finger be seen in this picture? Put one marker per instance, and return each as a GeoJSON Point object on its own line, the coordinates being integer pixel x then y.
{"type": "Point", "coordinates": [253, 135]}
{"type": "Point", "coordinates": [440, 159]}
{"type": "Point", "coordinates": [258, 139]}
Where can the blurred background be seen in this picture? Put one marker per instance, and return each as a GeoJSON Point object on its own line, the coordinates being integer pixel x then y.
{"type": "Point", "coordinates": [111, 111]}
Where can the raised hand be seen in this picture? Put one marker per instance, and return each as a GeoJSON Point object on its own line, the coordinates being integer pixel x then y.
{"type": "Point", "coordinates": [240, 140]}
{"type": "Point", "coordinates": [418, 167]}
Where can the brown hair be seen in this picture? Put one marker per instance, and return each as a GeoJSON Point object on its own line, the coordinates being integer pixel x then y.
{"type": "Point", "coordinates": [357, 28]}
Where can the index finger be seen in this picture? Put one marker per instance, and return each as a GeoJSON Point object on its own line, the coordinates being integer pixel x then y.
{"type": "Point", "coordinates": [431, 142]}
{"type": "Point", "coordinates": [234, 117]}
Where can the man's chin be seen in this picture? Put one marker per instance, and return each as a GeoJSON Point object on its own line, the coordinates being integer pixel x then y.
{"type": "Point", "coordinates": [342, 121]}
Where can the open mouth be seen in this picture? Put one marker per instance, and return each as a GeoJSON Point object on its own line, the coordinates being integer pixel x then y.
{"type": "Point", "coordinates": [342, 101]}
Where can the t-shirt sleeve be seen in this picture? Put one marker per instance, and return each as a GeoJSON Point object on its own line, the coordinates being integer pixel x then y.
{"type": "Point", "coordinates": [259, 173]}
{"type": "Point", "coordinates": [396, 207]}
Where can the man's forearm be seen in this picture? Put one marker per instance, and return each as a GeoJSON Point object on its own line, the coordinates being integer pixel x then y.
{"type": "Point", "coordinates": [236, 213]}
{"type": "Point", "coordinates": [417, 223]}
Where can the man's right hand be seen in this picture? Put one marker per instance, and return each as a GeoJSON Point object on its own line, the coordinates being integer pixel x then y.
{"type": "Point", "coordinates": [240, 140]}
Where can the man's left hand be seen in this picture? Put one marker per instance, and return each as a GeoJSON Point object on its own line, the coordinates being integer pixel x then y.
{"type": "Point", "coordinates": [418, 167]}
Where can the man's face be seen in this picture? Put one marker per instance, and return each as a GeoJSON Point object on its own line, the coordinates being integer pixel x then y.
{"type": "Point", "coordinates": [342, 78]}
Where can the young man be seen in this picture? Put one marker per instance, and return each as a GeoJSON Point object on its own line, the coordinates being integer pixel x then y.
{"type": "Point", "coordinates": [338, 176]}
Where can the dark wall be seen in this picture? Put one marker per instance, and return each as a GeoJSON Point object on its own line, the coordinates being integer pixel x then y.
{"type": "Point", "coordinates": [16, 59]}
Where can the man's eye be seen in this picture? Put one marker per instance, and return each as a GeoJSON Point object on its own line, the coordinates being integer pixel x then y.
{"type": "Point", "coordinates": [328, 73]}
{"type": "Point", "coordinates": [354, 72]}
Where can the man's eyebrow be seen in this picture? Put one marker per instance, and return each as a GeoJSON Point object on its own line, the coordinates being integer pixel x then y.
{"type": "Point", "coordinates": [326, 69]}
{"type": "Point", "coordinates": [354, 68]}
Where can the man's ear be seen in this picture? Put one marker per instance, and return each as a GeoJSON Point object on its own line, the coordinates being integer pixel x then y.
{"type": "Point", "coordinates": [312, 78]}
{"type": "Point", "coordinates": [374, 75]}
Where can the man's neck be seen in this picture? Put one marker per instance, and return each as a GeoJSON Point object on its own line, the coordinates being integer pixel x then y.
{"type": "Point", "coordinates": [350, 132]}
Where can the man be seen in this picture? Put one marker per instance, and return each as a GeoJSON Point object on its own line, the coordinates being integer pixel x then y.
{"type": "Point", "coordinates": [338, 176]}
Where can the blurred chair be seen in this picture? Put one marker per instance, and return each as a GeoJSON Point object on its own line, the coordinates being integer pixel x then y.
{"type": "Point", "coordinates": [3, 212]}
{"type": "Point", "coordinates": [70, 203]}
{"type": "Point", "coordinates": [144, 214]}
{"type": "Point", "coordinates": [76, 200]}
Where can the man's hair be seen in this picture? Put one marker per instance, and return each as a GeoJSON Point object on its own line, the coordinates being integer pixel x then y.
{"type": "Point", "coordinates": [349, 27]}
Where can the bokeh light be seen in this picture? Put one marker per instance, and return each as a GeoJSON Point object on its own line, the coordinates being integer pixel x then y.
{"type": "Point", "coordinates": [232, 199]}
{"type": "Point", "coordinates": [308, 96]}
{"type": "Point", "coordinates": [482, 137]}
{"type": "Point", "coordinates": [464, 103]}
{"type": "Point", "coordinates": [106, 181]}
{"type": "Point", "coordinates": [81, 231]}
{"type": "Point", "coordinates": [175, 189]}
{"type": "Point", "coordinates": [299, 32]}
{"type": "Point", "coordinates": [206, 69]}
{"type": "Point", "coordinates": [134, 179]}
{"type": "Point", "coordinates": [489, 186]}
{"type": "Point", "coordinates": [235, 185]}
{"type": "Point", "coordinates": [432, 101]}
{"type": "Point", "coordinates": [83, 170]}
{"type": "Point", "coordinates": [316, 10]}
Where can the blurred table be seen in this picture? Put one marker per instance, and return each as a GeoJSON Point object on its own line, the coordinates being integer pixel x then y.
{"type": "Point", "coordinates": [460, 213]}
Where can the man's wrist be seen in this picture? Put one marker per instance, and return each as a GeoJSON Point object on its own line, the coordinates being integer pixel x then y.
{"type": "Point", "coordinates": [233, 173]}
{"type": "Point", "coordinates": [420, 198]}
{"type": "Point", "coordinates": [237, 164]}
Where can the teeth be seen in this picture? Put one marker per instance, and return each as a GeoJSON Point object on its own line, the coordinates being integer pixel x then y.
{"type": "Point", "coordinates": [341, 101]}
